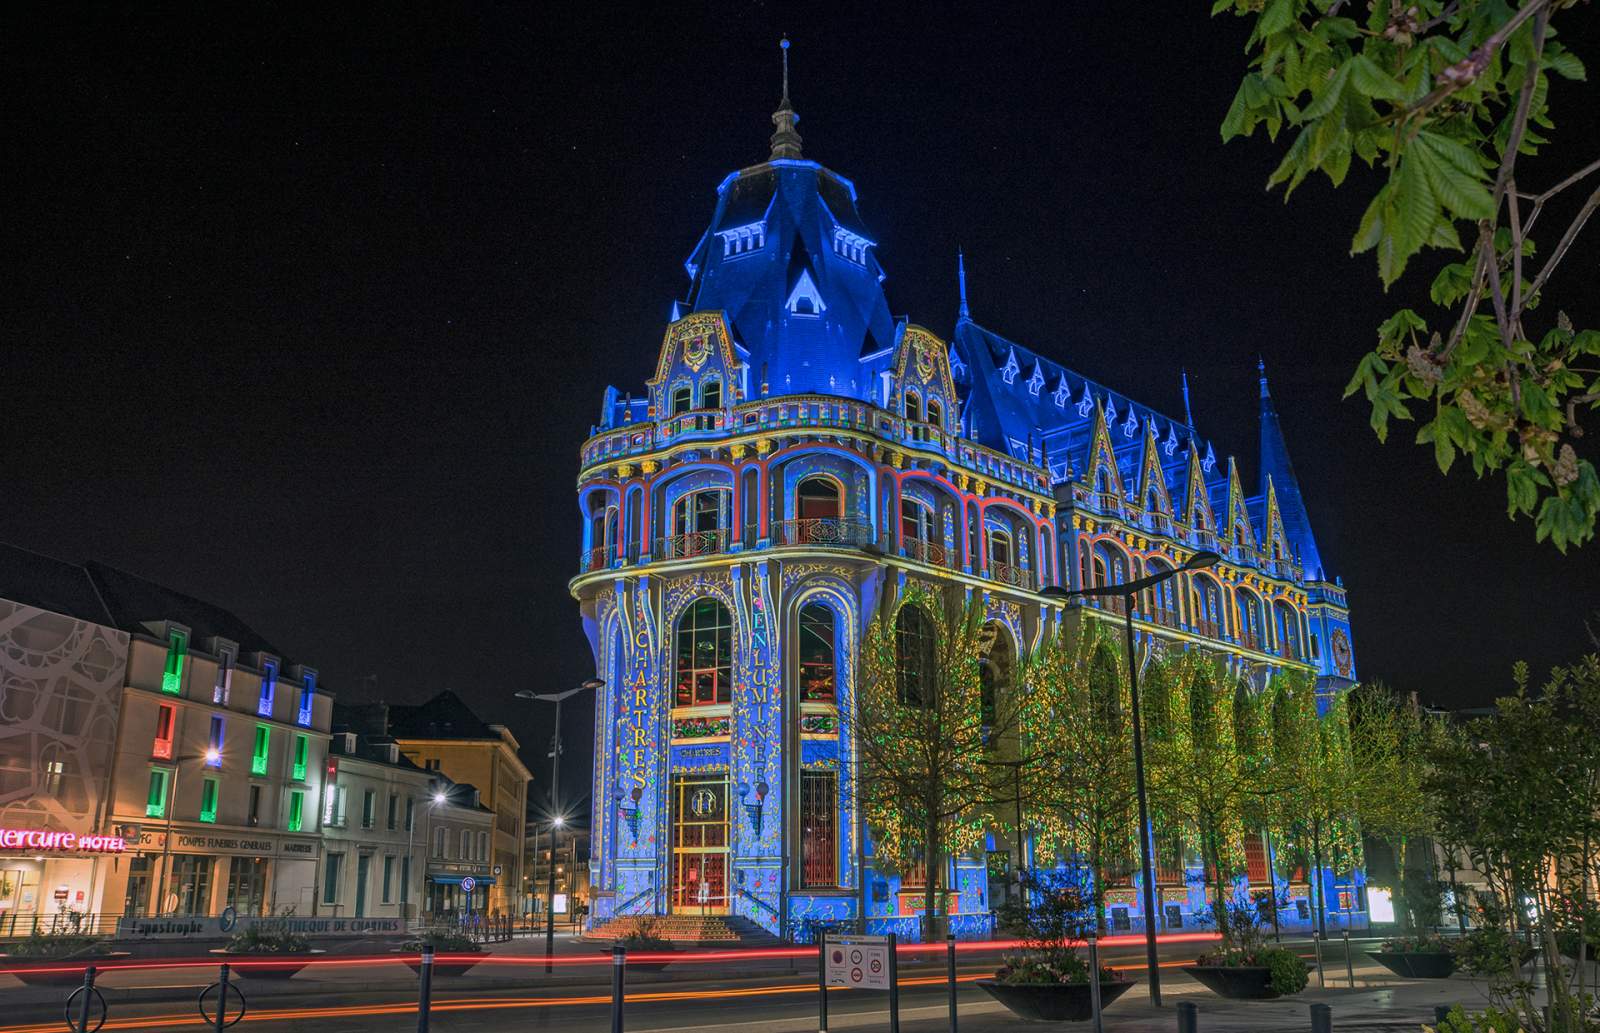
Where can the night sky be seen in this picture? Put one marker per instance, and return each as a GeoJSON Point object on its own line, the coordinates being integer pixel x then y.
{"type": "Point", "coordinates": [307, 312]}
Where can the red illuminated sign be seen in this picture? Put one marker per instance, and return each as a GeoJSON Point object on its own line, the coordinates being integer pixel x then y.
{"type": "Point", "coordinates": [39, 839]}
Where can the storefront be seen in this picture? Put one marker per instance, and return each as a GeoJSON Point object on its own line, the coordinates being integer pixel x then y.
{"type": "Point", "coordinates": [47, 878]}
{"type": "Point", "coordinates": [459, 893]}
{"type": "Point", "coordinates": [255, 874]}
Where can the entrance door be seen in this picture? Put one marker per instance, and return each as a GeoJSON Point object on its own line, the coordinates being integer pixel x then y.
{"type": "Point", "coordinates": [362, 864]}
{"type": "Point", "coordinates": [700, 844]}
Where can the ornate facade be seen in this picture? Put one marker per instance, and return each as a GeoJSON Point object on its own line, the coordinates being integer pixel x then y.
{"type": "Point", "coordinates": [799, 455]}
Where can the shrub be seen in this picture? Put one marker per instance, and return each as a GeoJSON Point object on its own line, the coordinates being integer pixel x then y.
{"type": "Point", "coordinates": [1290, 973]}
{"type": "Point", "coordinates": [58, 945]}
{"type": "Point", "coordinates": [1426, 943]}
{"type": "Point", "coordinates": [1051, 925]}
{"type": "Point", "coordinates": [266, 940]}
{"type": "Point", "coordinates": [642, 937]}
{"type": "Point", "coordinates": [443, 941]}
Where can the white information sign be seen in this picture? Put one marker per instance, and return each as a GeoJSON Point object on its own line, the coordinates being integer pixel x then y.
{"type": "Point", "coordinates": [861, 962]}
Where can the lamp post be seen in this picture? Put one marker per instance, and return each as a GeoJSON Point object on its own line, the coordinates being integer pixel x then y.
{"type": "Point", "coordinates": [213, 758]}
{"type": "Point", "coordinates": [555, 804]}
{"type": "Point", "coordinates": [1128, 592]}
{"type": "Point", "coordinates": [434, 800]}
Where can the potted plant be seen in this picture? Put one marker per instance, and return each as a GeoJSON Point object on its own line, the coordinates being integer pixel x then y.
{"type": "Point", "coordinates": [642, 939]}
{"type": "Point", "coordinates": [274, 952]}
{"type": "Point", "coordinates": [1049, 981]}
{"type": "Point", "coordinates": [1428, 956]}
{"type": "Point", "coordinates": [56, 959]}
{"type": "Point", "coordinates": [444, 942]}
{"type": "Point", "coordinates": [1246, 966]}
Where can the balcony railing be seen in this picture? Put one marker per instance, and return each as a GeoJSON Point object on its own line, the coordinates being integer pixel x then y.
{"type": "Point", "coordinates": [929, 552]}
{"type": "Point", "coordinates": [1007, 574]}
{"type": "Point", "coordinates": [1208, 628]}
{"type": "Point", "coordinates": [596, 559]}
{"type": "Point", "coordinates": [1251, 640]}
{"type": "Point", "coordinates": [824, 531]}
{"type": "Point", "coordinates": [694, 543]}
{"type": "Point", "coordinates": [1166, 617]}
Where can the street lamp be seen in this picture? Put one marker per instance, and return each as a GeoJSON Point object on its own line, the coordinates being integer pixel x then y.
{"type": "Point", "coordinates": [1128, 592]}
{"type": "Point", "coordinates": [213, 757]}
{"type": "Point", "coordinates": [438, 797]}
{"type": "Point", "coordinates": [555, 805]}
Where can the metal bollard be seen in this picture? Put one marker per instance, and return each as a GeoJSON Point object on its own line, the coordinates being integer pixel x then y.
{"type": "Point", "coordinates": [88, 992]}
{"type": "Point", "coordinates": [1188, 1017]}
{"type": "Point", "coordinates": [1094, 981]}
{"type": "Point", "coordinates": [950, 970]}
{"type": "Point", "coordinates": [222, 999]}
{"type": "Point", "coordinates": [1322, 980]}
{"type": "Point", "coordinates": [894, 986]}
{"type": "Point", "coordinates": [822, 981]}
{"type": "Point", "coordinates": [425, 990]}
{"type": "Point", "coordinates": [619, 964]}
{"type": "Point", "coordinates": [1321, 1018]}
{"type": "Point", "coordinates": [1349, 962]}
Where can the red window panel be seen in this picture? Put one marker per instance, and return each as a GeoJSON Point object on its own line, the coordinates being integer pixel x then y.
{"type": "Point", "coordinates": [165, 718]}
{"type": "Point", "coordinates": [819, 838]}
{"type": "Point", "coordinates": [1255, 859]}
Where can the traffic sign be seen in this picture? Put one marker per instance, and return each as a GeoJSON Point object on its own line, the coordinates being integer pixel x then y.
{"type": "Point", "coordinates": [468, 883]}
{"type": "Point", "coordinates": [859, 962]}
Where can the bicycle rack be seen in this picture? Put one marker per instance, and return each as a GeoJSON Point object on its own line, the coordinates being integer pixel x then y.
{"type": "Point", "coordinates": [222, 987]}
{"type": "Point", "coordinates": [79, 1022]}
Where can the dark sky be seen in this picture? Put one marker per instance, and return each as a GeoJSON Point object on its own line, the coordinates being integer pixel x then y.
{"type": "Point", "coordinates": [306, 312]}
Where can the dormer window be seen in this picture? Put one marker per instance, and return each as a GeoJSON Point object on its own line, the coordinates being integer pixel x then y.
{"type": "Point", "coordinates": [743, 240]}
{"type": "Point", "coordinates": [1009, 371]}
{"type": "Point", "coordinates": [711, 395]}
{"type": "Point", "coordinates": [913, 407]}
{"type": "Point", "coordinates": [1062, 395]}
{"type": "Point", "coordinates": [1036, 382]}
{"type": "Point", "coordinates": [850, 245]}
{"type": "Point", "coordinates": [935, 414]}
{"type": "Point", "coordinates": [805, 299]}
{"type": "Point", "coordinates": [682, 400]}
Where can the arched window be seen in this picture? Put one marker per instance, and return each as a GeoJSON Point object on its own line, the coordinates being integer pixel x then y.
{"type": "Point", "coordinates": [704, 655]}
{"type": "Point", "coordinates": [711, 395]}
{"type": "Point", "coordinates": [916, 521]}
{"type": "Point", "coordinates": [818, 678]}
{"type": "Point", "coordinates": [1288, 622]}
{"type": "Point", "coordinates": [913, 656]}
{"type": "Point", "coordinates": [1161, 601]}
{"type": "Point", "coordinates": [682, 399]}
{"type": "Point", "coordinates": [1000, 546]}
{"type": "Point", "coordinates": [1207, 606]}
{"type": "Point", "coordinates": [1250, 628]}
{"type": "Point", "coordinates": [913, 406]}
{"type": "Point", "coordinates": [818, 498]}
{"type": "Point", "coordinates": [994, 670]}
{"type": "Point", "coordinates": [698, 511]}
{"type": "Point", "coordinates": [935, 413]}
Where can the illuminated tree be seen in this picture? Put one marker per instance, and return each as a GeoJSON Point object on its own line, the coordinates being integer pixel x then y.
{"type": "Point", "coordinates": [1390, 741]}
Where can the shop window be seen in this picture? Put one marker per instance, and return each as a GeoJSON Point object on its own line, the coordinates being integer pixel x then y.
{"type": "Point", "coordinates": [155, 805]}
{"type": "Point", "coordinates": [208, 800]}
{"type": "Point", "coordinates": [367, 805]}
{"type": "Point", "coordinates": [819, 799]}
{"type": "Point", "coordinates": [247, 885]}
{"type": "Point", "coordinates": [297, 806]}
{"type": "Point", "coordinates": [166, 717]}
{"type": "Point", "coordinates": [189, 884]}
{"type": "Point", "coordinates": [218, 725]}
{"type": "Point", "coordinates": [302, 749]}
{"type": "Point", "coordinates": [269, 687]}
{"type": "Point", "coordinates": [817, 668]}
{"type": "Point", "coordinates": [704, 655]}
{"type": "Point", "coordinates": [333, 868]}
{"type": "Point", "coordinates": [172, 674]}
{"type": "Point", "coordinates": [258, 760]}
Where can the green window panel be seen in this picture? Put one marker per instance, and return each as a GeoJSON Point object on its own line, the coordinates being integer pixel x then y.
{"type": "Point", "coordinates": [258, 762]}
{"type": "Point", "coordinates": [301, 749]}
{"type": "Point", "coordinates": [172, 675]}
{"type": "Point", "coordinates": [155, 805]}
{"type": "Point", "coordinates": [297, 807]}
{"type": "Point", "coordinates": [208, 800]}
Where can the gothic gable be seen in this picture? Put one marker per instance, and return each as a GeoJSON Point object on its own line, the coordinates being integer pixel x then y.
{"type": "Point", "coordinates": [922, 369]}
{"type": "Point", "coordinates": [696, 352]}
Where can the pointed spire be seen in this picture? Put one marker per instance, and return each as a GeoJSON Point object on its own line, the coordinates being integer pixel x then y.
{"type": "Point", "coordinates": [961, 279]}
{"type": "Point", "coordinates": [1277, 473]}
{"type": "Point", "coordinates": [1261, 369]}
{"type": "Point", "coordinates": [1188, 414]}
{"type": "Point", "coordinates": [785, 140]}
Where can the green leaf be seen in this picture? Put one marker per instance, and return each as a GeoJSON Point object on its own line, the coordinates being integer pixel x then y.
{"type": "Point", "coordinates": [1371, 229]}
{"type": "Point", "coordinates": [1444, 453]}
{"type": "Point", "coordinates": [1276, 18]}
{"type": "Point", "coordinates": [1293, 166]}
{"type": "Point", "coordinates": [1366, 76]}
{"type": "Point", "coordinates": [1459, 190]}
{"type": "Point", "coordinates": [1233, 124]}
{"type": "Point", "coordinates": [1565, 64]}
{"type": "Point", "coordinates": [1452, 284]}
{"type": "Point", "coordinates": [1325, 100]}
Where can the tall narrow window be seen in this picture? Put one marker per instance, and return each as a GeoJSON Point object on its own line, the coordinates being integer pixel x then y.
{"type": "Point", "coordinates": [682, 399]}
{"type": "Point", "coordinates": [297, 807]}
{"type": "Point", "coordinates": [483, 846]}
{"type": "Point", "coordinates": [913, 406]}
{"type": "Point", "coordinates": [439, 841]}
{"type": "Point", "coordinates": [254, 818]}
{"type": "Point", "coordinates": [214, 743]}
{"type": "Point", "coordinates": [817, 669]}
{"type": "Point", "coordinates": [999, 547]}
{"type": "Point", "coordinates": [411, 813]}
{"type": "Point", "coordinates": [208, 800]}
{"type": "Point", "coordinates": [172, 674]}
{"type": "Point", "coordinates": [366, 809]}
{"type": "Point", "coordinates": [308, 698]}
{"type": "Point", "coordinates": [334, 863]}
{"type": "Point", "coordinates": [166, 716]}
{"type": "Point", "coordinates": [1255, 858]}
{"type": "Point", "coordinates": [819, 843]}
{"type": "Point", "coordinates": [155, 805]}
{"type": "Point", "coordinates": [269, 686]}
{"type": "Point", "coordinates": [394, 808]}
{"type": "Point", "coordinates": [711, 395]}
{"type": "Point", "coordinates": [302, 749]}
{"type": "Point", "coordinates": [388, 878]}
{"type": "Point", "coordinates": [258, 759]}
{"type": "Point", "coordinates": [916, 522]}
{"type": "Point", "coordinates": [466, 844]}
{"type": "Point", "coordinates": [935, 413]}
{"type": "Point", "coordinates": [704, 655]}
{"type": "Point", "coordinates": [223, 687]}
{"type": "Point", "coordinates": [699, 511]}
{"type": "Point", "coordinates": [913, 647]}
{"type": "Point", "coordinates": [405, 879]}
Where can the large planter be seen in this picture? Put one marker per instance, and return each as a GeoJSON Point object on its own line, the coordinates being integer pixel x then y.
{"type": "Point", "coordinates": [1243, 982]}
{"type": "Point", "coordinates": [266, 964]}
{"type": "Point", "coordinates": [1416, 964]}
{"type": "Point", "coordinates": [443, 965]}
{"type": "Point", "coordinates": [650, 966]}
{"type": "Point", "coordinates": [56, 971]}
{"type": "Point", "coordinates": [1053, 1002]}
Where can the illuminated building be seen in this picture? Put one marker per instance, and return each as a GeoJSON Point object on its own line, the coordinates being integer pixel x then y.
{"type": "Point", "coordinates": [795, 451]}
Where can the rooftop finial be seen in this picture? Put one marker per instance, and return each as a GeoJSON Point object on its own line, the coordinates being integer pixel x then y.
{"type": "Point", "coordinates": [785, 140]}
{"type": "Point", "coordinates": [1188, 414]}
{"type": "Point", "coordinates": [961, 279]}
{"type": "Point", "coordinates": [1261, 369]}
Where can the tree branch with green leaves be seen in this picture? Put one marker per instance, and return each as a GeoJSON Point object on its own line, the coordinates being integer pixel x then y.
{"type": "Point", "coordinates": [1442, 98]}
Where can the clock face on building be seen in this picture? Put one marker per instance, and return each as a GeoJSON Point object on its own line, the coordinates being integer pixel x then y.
{"type": "Point", "coordinates": [1341, 652]}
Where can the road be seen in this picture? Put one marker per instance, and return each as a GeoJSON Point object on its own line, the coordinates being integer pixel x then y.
{"type": "Point", "coordinates": [775, 996]}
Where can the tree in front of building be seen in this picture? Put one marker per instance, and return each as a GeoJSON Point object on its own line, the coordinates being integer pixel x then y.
{"type": "Point", "coordinates": [1078, 781]}
{"type": "Point", "coordinates": [922, 734]}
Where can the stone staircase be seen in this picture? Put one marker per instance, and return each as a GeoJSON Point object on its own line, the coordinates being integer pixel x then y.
{"type": "Point", "coordinates": [688, 930]}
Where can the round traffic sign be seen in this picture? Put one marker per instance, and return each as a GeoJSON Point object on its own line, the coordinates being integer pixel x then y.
{"type": "Point", "coordinates": [468, 884]}
{"type": "Point", "coordinates": [855, 975]}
